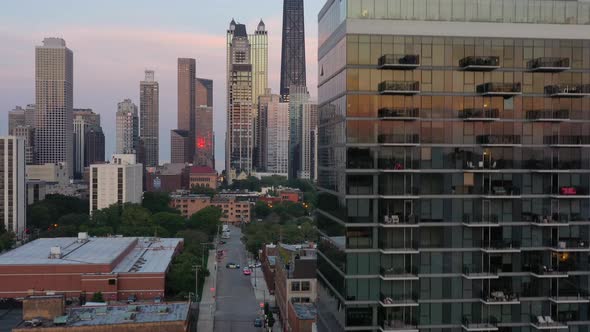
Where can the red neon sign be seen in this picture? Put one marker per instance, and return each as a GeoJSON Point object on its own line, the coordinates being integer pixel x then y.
{"type": "Point", "coordinates": [569, 191]}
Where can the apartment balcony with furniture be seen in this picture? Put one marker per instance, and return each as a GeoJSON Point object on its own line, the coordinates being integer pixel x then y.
{"type": "Point", "coordinates": [500, 297]}
{"type": "Point", "coordinates": [399, 61]}
{"type": "Point", "coordinates": [567, 245]}
{"type": "Point", "coordinates": [502, 190]}
{"type": "Point", "coordinates": [399, 88]}
{"type": "Point", "coordinates": [553, 220]}
{"type": "Point", "coordinates": [479, 114]}
{"type": "Point", "coordinates": [480, 63]}
{"type": "Point", "coordinates": [498, 140]}
{"type": "Point", "coordinates": [409, 299]}
{"type": "Point", "coordinates": [479, 326]}
{"type": "Point", "coordinates": [568, 91]}
{"type": "Point", "coordinates": [547, 323]}
{"type": "Point", "coordinates": [399, 221]}
{"type": "Point", "coordinates": [548, 115]}
{"type": "Point", "coordinates": [478, 272]}
{"type": "Point", "coordinates": [403, 319]}
{"type": "Point", "coordinates": [399, 273]}
{"type": "Point", "coordinates": [549, 65]}
{"type": "Point", "coordinates": [399, 114]}
{"type": "Point", "coordinates": [548, 272]}
{"type": "Point", "coordinates": [399, 326]}
{"type": "Point", "coordinates": [500, 89]}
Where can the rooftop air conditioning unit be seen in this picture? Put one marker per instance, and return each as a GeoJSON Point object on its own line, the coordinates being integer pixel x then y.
{"type": "Point", "coordinates": [55, 253]}
{"type": "Point", "coordinates": [82, 237]}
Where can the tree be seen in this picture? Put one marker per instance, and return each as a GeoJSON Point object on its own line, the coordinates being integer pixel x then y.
{"type": "Point", "coordinates": [108, 217]}
{"type": "Point", "coordinates": [172, 222]}
{"type": "Point", "coordinates": [73, 219]}
{"type": "Point", "coordinates": [97, 297]}
{"type": "Point", "coordinates": [136, 215]}
{"type": "Point", "coordinates": [261, 209]}
{"type": "Point", "coordinates": [193, 240]}
{"type": "Point", "coordinates": [206, 220]}
{"type": "Point", "coordinates": [274, 181]}
{"type": "Point", "coordinates": [157, 202]}
{"type": "Point", "coordinates": [270, 320]}
{"type": "Point", "coordinates": [198, 190]}
{"type": "Point", "coordinates": [308, 231]}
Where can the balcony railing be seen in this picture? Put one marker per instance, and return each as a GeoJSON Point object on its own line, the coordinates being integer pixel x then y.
{"type": "Point", "coordinates": [393, 325]}
{"type": "Point", "coordinates": [547, 323]}
{"type": "Point", "coordinates": [480, 63]}
{"type": "Point", "coordinates": [399, 273]}
{"type": "Point", "coordinates": [398, 139]}
{"type": "Point", "coordinates": [394, 247]}
{"type": "Point", "coordinates": [502, 191]}
{"type": "Point", "coordinates": [397, 165]}
{"type": "Point", "coordinates": [407, 300]}
{"type": "Point", "coordinates": [500, 297]}
{"type": "Point", "coordinates": [399, 220]}
{"type": "Point", "coordinates": [570, 245]}
{"type": "Point", "coordinates": [479, 114]}
{"type": "Point", "coordinates": [501, 247]}
{"type": "Point", "coordinates": [548, 115]}
{"type": "Point", "coordinates": [566, 140]}
{"type": "Point", "coordinates": [547, 272]}
{"type": "Point", "coordinates": [399, 113]}
{"type": "Point", "coordinates": [572, 91]}
{"type": "Point", "coordinates": [547, 64]}
{"type": "Point", "coordinates": [471, 221]}
{"type": "Point", "coordinates": [397, 61]}
{"type": "Point", "coordinates": [399, 88]}
{"type": "Point", "coordinates": [500, 89]}
{"type": "Point", "coordinates": [474, 272]}
{"type": "Point", "coordinates": [498, 139]}
{"type": "Point", "coordinates": [479, 326]}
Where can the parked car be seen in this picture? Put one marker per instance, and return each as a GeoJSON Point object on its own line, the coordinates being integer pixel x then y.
{"type": "Point", "coordinates": [253, 266]}
{"type": "Point", "coordinates": [132, 298]}
{"type": "Point", "coordinates": [247, 271]}
{"type": "Point", "coordinates": [232, 266]}
{"type": "Point", "coordinates": [258, 322]}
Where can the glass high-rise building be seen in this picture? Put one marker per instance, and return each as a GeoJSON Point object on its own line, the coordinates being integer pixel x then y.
{"type": "Point", "coordinates": [454, 156]}
{"type": "Point", "coordinates": [54, 95]}
{"type": "Point", "coordinates": [293, 69]}
{"type": "Point", "coordinates": [205, 137]}
{"type": "Point", "coordinates": [149, 124]}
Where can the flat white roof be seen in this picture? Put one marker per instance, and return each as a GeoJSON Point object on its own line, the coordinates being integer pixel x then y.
{"type": "Point", "coordinates": [147, 254]}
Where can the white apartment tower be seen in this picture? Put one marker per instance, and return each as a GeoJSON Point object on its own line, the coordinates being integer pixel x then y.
{"type": "Point", "coordinates": [119, 182]}
{"type": "Point", "coordinates": [12, 185]}
{"type": "Point", "coordinates": [127, 127]}
{"type": "Point", "coordinates": [274, 125]}
{"type": "Point", "coordinates": [309, 128]}
{"type": "Point", "coordinates": [54, 86]}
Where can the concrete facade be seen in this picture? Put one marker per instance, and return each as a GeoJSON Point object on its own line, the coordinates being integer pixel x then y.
{"type": "Point", "coordinates": [13, 213]}
{"type": "Point", "coordinates": [120, 182]}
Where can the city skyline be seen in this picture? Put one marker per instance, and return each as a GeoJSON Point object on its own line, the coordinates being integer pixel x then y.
{"type": "Point", "coordinates": [123, 52]}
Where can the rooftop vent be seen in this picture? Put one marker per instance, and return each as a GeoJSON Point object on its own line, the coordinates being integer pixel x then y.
{"type": "Point", "coordinates": [82, 237]}
{"type": "Point", "coordinates": [55, 253]}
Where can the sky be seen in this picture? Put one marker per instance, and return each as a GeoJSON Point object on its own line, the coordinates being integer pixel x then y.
{"type": "Point", "coordinates": [114, 41]}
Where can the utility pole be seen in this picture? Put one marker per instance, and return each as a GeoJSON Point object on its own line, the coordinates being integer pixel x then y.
{"type": "Point", "coordinates": [197, 267]}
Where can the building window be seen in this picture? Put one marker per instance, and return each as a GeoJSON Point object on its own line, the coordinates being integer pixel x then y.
{"type": "Point", "coordinates": [295, 286]}
{"type": "Point", "coordinates": [305, 285]}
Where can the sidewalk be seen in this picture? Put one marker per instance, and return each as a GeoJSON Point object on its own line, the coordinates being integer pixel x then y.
{"type": "Point", "coordinates": [263, 295]}
{"type": "Point", "coordinates": [206, 321]}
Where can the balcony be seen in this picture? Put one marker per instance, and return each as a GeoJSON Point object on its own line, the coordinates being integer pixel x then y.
{"type": "Point", "coordinates": [503, 191]}
{"type": "Point", "coordinates": [399, 139]}
{"type": "Point", "coordinates": [549, 65]}
{"type": "Point", "coordinates": [566, 141]}
{"type": "Point", "coordinates": [554, 220]}
{"type": "Point", "coordinates": [398, 326]}
{"type": "Point", "coordinates": [479, 222]}
{"type": "Point", "coordinates": [397, 248]}
{"type": "Point", "coordinates": [473, 272]}
{"type": "Point", "coordinates": [505, 90]}
{"type": "Point", "coordinates": [393, 164]}
{"type": "Point", "coordinates": [399, 114]}
{"type": "Point", "coordinates": [408, 300]}
{"type": "Point", "coordinates": [470, 326]}
{"type": "Point", "coordinates": [501, 247]}
{"type": "Point", "coordinates": [396, 61]}
{"type": "Point", "coordinates": [399, 88]}
{"type": "Point", "coordinates": [399, 221]}
{"type": "Point", "coordinates": [479, 63]}
{"type": "Point", "coordinates": [545, 272]}
{"type": "Point", "coordinates": [498, 140]}
{"type": "Point", "coordinates": [500, 298]}
{"type": "Point", "coordinates": [479, 114]}
{"type": "Point", "coordinates": [399, 273]}
{"type": "Point", "coordinates": [571, 192]}
{"type": "Point", "coordinates": [570, 245]}
{"type": "Point", "coordinates": [547, 323]}
{"type": "Point", "coordinates": [568, 91]}
{"type": "Point", "coordinates": [548, 115]}
{"type": "Point", "coordinates": [575, 299]}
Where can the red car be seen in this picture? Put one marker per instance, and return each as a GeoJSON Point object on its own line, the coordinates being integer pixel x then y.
{"type": "Point", "coordinates": [247, 272]}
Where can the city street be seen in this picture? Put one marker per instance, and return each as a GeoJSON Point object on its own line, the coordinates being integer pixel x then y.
{"type": "Point", "coordinates": [237, 307]}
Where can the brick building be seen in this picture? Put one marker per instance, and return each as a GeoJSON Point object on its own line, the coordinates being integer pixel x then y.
{"type": "Point", "coordinates": [116, 266]}
{"type": "Point", "coordinates": [205, 177]}
{"type": "Point", "coordinates": [189, 204]}
{"type": "Point", "coordinates": [167, 178]}
{"type": "Point", "coordinates": [301, 317]}
{"type": "Point", "coordinates": [234, 210]}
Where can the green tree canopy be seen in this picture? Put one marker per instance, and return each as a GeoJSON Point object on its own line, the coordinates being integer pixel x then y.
{"type": "Point", "coordinates": [172, 222]}
{"type": "Point", "coordinates": [206, 220]}
{"type": "Point", "coordinates": [136, 215]}
{"type": "Point", "coordinates": [157, 202]}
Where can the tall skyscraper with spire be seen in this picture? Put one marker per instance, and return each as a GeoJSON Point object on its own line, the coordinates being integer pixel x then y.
{"type": "Point", "coordinates": [149, 110]}
{"type": "Point", "coordinates": [293, 71]}
{"type": "Point", "coordinates": [54, 94]}
{"type": "Point", "coordinates": [240, 120]}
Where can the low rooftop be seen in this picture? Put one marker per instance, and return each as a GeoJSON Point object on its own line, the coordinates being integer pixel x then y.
{"type": "Point", "coordinates": [305, 311]}
{"type": "Point", "coordinates": [117, 315]}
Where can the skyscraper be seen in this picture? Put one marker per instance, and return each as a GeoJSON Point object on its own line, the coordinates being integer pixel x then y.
{"type": "Point", "coordinates": [293, 70]}
{"type": "Point", "coordinates": [13, 203]}
{"type": "Point", "coordinates": [205, 137]}
{"type": "Point", "coordinates": [274, 132]}
{"type": "Point", "coordinates": [454, 142]}
{"type": "Point", "coordinates": [94, 145]}
{"type": "Point", "coordinates": [149, 113]}
{"type": "Point", "coordinates": [127, 128]}
{"type": "Point", "coordinates": [84, 119]}
{"type": "Point", "coordinates": [27, 133]}
{"type": "Point", "coordinates": [240, 120]}
{"type": "Point", "coordinates": [308, 150]}
{"type": "Point", "coordinates": [186, 105]}
{"type": "Point", "coordinates": [21, 117]}
{"type": "Point", "coordinates": [118, 182]}
{"type": "Point", "coordinates": [54, 87]}
{"type": "Point", "coordinates": [180, 146]}
{"type": "Point", "coordinates": [298, 99]}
